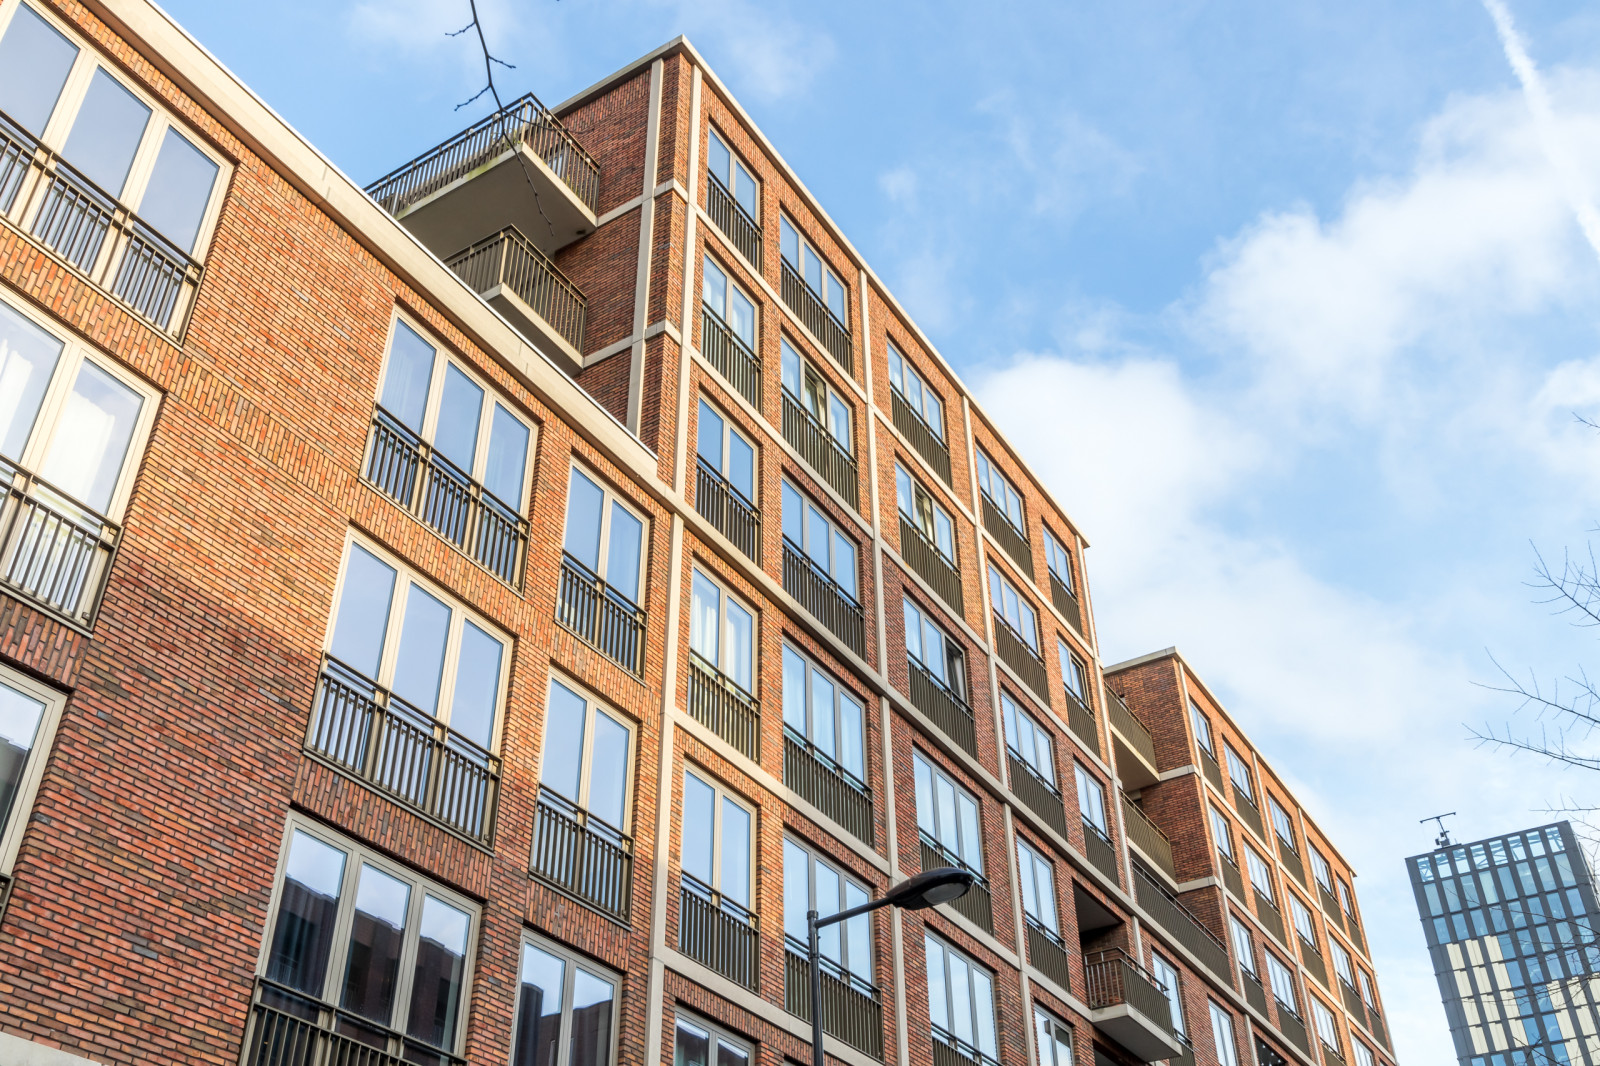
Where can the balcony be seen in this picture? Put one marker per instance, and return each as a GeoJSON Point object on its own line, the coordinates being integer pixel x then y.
{"type": "Point", "coordinates": [1330, 907]}
{"type": "Point", "coordinates": [601, 615]}
{"type": "Point", "coordinates": [1080, 719]}
{"type": "Point", "coordinates": [93, 233]}
{"type": "Point", "coordinates": [1009, 537]}
{"type": "Point", "coordinates": [1311, 958]}
{"type": "Point", "coordinates": [55, 553]}
{"type": "Point", "coordinates": [822, 597]}
{"type": "Point", "coordinates": [1180, 923]}
{"type": "Point", "coordinates": [718, 933]}
{"type": "Point", "coordinates": [1293, 1028]}
{"type": "Point", "coordinates": [1232, 878]}
{"type": "Point", "coordinates": [1066, 603]}
{"type": "Point", "coordinates": [921, 435]}
{"type": "Point", "coordinates": [1291, 860]}
{"type": "Point", "coordinates": [821, 452]}
{"type": "Point", "coordinates": [1048, 954]}
{"type": "Point", "coordinates": [1213, 772]}
{"type": "Point", "coordinates": [1254, 994]}
{"type": "Point", "coordinates": [1150, 840]}
{"type": "Point", "coordinates": [1039, 795]}
{"type": "Point", "coordinates": [1270, 917]}
{"type": "Point", "coordinates": [977, 904]}
{"type": "Point", "coordinates": [924, 557]}
{"type": "Point", "coordinates": [1129, 1006]}
{"type": "Point", "coordinates": [1249, 813]}
{"type": "Point", "coordinates": [518, 167]}
{"type": "Point", "coordinates": [1023, 660]}
{"type": "Point", "coordinates": [582, 856]}
{"type": "Point", "coordinates": [720, 705]}
{"type": "Point", "coordinates": [1352, 1001]}
{"type": "Point", "coordinates": [1355, 933]}
{"type": "Point", "coordinates": [1135, 749]}
{"type": "Point", "coordinates": [951, 1050]}
{"type": "Point", "coordinates": [289, 1028]}
{"type": "Point", "coordinates": [827, 786]}
{"type": "Point", "coordinates": [833, 335]}
{"type": "Point", "coordinates": [1375, 1027]}
{"type": "Point", "coordinates": [734, 221]}
{"type": "Point", "coordinates": [404, 752]}
{"type": "Point", "coordinates": [947, 710]}
{"type": "Point", "coordinates": [525, 286]}
{"type": "Point", "coordinates": [852, 1009]}
{"type": "Point", "coordinates": [727, 510]}
{"type": "Point", "coordinates": [445, 498]}
{"type": "Point", "coordinates": [1330, 1054]}
{"type": "Point", "coordinates": [1098, 847]}
{"type": "Point", "coordinates": [735, 360]}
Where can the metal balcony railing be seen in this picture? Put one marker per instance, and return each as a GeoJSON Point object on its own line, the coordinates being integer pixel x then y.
{"type": "Point", "coordinates": [833, 335]}
{"type": "Point", "coordinates": [1040, 796]}
{"type": "Point", "coordinates": [445, 498]}
{"type": "Point", "coordinates": [1114, 978]}
{"type": "Point", "coordinates": [852, 1008]}
{"type": "Point", "coordinates": [921, 435]}
{"type": "Point", "coordinates": [93, 232]}
{"type": "Point", "coordinates": [363, 728]}
{"type": "Point", "coordinates": [1009, 537]}
{"type": "Point", "coordinates": [1148, 837]}
{"type": "Point", "coordinates": [582, 855]}
{"type": "Point", "coordinates": [1066, 602]}
{"type": "Point", "coordinates": [735, 360]}
{"type": "Point", "coordinates": [1330, 907]}
{"type": "Point", "coordinates": [1375, 1026]}
{"type": "Point", "coordinates": [1311, 958]}
{"type": "Point", "coordinates": [1133, 731]}
{"type": "Point", "coordinates": [827, 786]}
{"type": "Point", "coordinates": [1291, 860]}
{"type": "Point", "coordinates": [1330, 1054]}
{"type": "Point", "coordinates": [1015, 652]}
{"type": "Point", "coordinates": [823, 598]}
{"type": "Point", "coordinates": [1048, 953]}
{"type": "Point", "coordinates": [290, 1028]}
{"type": "Point", "coordinates": [55, 553]}
{"type": "Point", "coordinates": [1098, 847]}
{"type": "Point", "coordinates": [1182, 924]}
{"type": "Point", "coordinates": [524, 122]}
{"type": "Point", "coordinates": [1249, 813]}
{"type": "Point", "coordinates": [1232, 878]}
{"type": "Point", "coordinates": [822, 453]}
{"type": "Point", "coordinates": [726, 508]}
{"type": "Point", "coordinates": [943, 707]}
{"type": "Point", "coordinates": [719, 933]}
{"type": "Point", "coordinates": [1270, 917]}
{"type": "Point", "coordinates": [1080, 719]}
{"type": "Point", "coordinates": [1254, 994]}
{"type": "Point", "coordinates": [977, 904]}
{"type": "Point", "coordinates": [1354, 926]}
{"type": "Point", "coordinates": [1293, 1027]}
{"type": "Point", "coordinates": [510, 259]}
{"type": "Point", "coordinates": [951, 1050]}
{"type": "Point", "coordinates": [719, 704]}
{"type": "Point", "coordinates": [929, 562]}
{"type": "Point", "coordinates": [1352, 1001]}
{"type": "Point", "coordinates": [732, 219]}
{"type": "Point", "coordinates": [1213, 772]}
{"type": "Point", "coordinates": [601, 615]}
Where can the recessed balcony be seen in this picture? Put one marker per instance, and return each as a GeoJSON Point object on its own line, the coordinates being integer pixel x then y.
{"type": "Point", "coordinates": [1129, 1006]}
{"type": "Point", "coordinates": [1135, 748]}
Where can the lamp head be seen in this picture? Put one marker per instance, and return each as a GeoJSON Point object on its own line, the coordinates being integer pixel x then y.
{"type": "Point", "coordinates": [931, 887]}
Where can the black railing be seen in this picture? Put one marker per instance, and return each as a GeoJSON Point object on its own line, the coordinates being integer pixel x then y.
{"type": "Point", "coordinates": [726, 509]}
{"type": "Point", "coordinates": [1040, 796]}
{"type": "Point", "coordinates": [1254, 994]}
{"type": "Point", "coordinates": [1016, 653]}
{"type": "Point", "coordinates": [1098, 847]}
{"type": "Point", "coordinates": [55, 553]}
{"type": "Point", "coordinates": [951, 1050]}
{"type": "Point", "coordinates": [1182, 924]}
{"type": "Point", "coordinates": [832, 334]}
{"type": "Point", "coordinates": [1048, 954]}
{"type": "Point", "coordinates": [1132, 730]}
{"type": "Point", "coordinates": [816, 446]}
{"type": "Point", "coordinates": [823, 597]}
{"type": "Point", "coordinates": [1008, 536]}
{"type": "Point", "coordinates": [827, 786]}
{"type": "Point", "coordinates": [732, 219]}
{"type": "Point", "coordinates": [735, 360]}
{"type": "Point", "coordinates": [719, 933]}
{"type": "Point", "coordinates": [1312, 959]}
{"type": "Point", "coordinates": [921, 435]}
{"type": "Point", "coordinates": [852, 1009]}
{"type": "Point", "coordinates": [1232, 878]}
{"type": "Point", "coordinates": [977, 903]}
{"type": "Point", "coordinates": [1291, 860]}
{"type": "Point", "coordinates": [1145, 835]}
{"type": "Point", "coordinates": [1113, 978]}
{"type": "Point", "coordinates": [943, 707]}
{"type": "Point", "coordinates": [1293, 1027]}
{"type": "Point", "coordinates": [1213, 772]}
{"type": "Point", "coordinates": [1080, 719]}
{"type": "Point", "coordinates": [930, 563]}
{"type": "Point", "coordinates": [601, 615]}
{"type": "Point", "coordinates": [524, 122]}
{"type": "Point", "coordinates": [290, 1028]}
{"type": "Point", "coordinates": [1270, 917]}
{"type": "Point", "coordinates": [1249, 813]}
{"type": "Point", "coordinates": [719, 704]}
{"type": "Point", "coordinates": [1066, 602]}
{"type": "Point", "coordinates": [510, 259]}
{"type": "Point", "coordinates": [582, 855]}
{"type": "Point", "coordinates": [445, 498]}
{"type": "Point", "coordinates": [1330, 1054]}
{"type": "Point", "coordinates": [403, 751]}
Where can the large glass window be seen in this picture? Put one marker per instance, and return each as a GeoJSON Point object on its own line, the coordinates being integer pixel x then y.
{"type": "Point", "coordinates": [811, 883]}
{"type": "Point", "coordinates": [1302, 921]}
{"type": "Point", "coordinates": [722, 631]}
{"type": "Point", "coordinates": [1027, 739]}
{"type": "Point", "coordinates": [824, 713]}
{"type": "Point", "coordinates": [388, 948]}
{"type": "Point", "coordinates": [718, 839]}
{"type": "Point", "coordinates": [818, 276]}
{"type": "Point", "coordinates": [999, 491]}
{"type": "Point", "coordinates": [1222, 1033]}
{"type": "Point", "coordinates": [816, 396]}
{"type": "Point", "coordinates": [1322, 871]}
{"type": "Point", "coordinates": [1260, 872]}
{"type": "Point", "coordinates": [1222, 832]}
{"type": "Point", "coordinates": [1341, 963]}
{"type": "Point", "coordinates": [1239, 773]}
{"type": "Point", "coordinates": [1011, 607]}
{"type": "Point", "coordinates": [566, 1009]}
{"type": "Point", "coordinates": [726, 451]}
{"type": "Point", "coordinates": [1282, 982]}
{"type": "Point", "coordinates": [919, 508]}
{"type": "Point", "coordinates": [1038, 887]}
{"type": "Point", "coordinates": [1167, 975]}
{"type": "Point", "coordinates": [728, 302]}
{"type": "Point", "coordinates": [1327, 1028]}
{"type": "Point", "coordinates": [28, 716]}
{"type": "Point", "coordinates": [813, 534]}
{"type": "Point", "coordinates": [1242, 946]}
{"type": "Point", "coordinates": [1052, 1039]}
{"type": "Point", "coordinates": [587, 753]}
{"type": "Point", "coordinates": [947, 814]}
{"type": "Point", "coordinates": [1282, 824]}
{"type": "Point", "coordinates": [1346, 899]}
{"type": "Point", "coordinates": [1363, 1054]}
{"type": "Point", "coordinates": [1058, 560]}
{"type": "Point", "coordinates": [960, 1001]}
{"type": "Point", "coordinates": [928, 645]}
{"type": "Point", "coordinates": [1202, 728]}
{"type": "Point", "coordinates": [605, 535]}
{"type": "Point", "coordinates": [1092, 800]}
{"type": "Point", "coordinates": [922, 400]}
{"type": "Point", "coordinates": [698, 1044]}
{"type": "Point", "coordinates": [725, 165]}
{"type": "Point", "coordinates": [1074, 674]}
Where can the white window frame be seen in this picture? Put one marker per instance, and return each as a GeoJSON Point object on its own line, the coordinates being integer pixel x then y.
{"type": "Point", "coordinates": [1369, 993]}
{"type": "Point", "coordinates": [730, 433]}
{"type": "Point", "coordinates": [572, 963]}
{"type": "Point", "coordinates": [1343, 965]}
{"type": "Point", "coordinates": [717, 1039]}
{"type": "Point", "coordinates": [594, 705]}
{"type": "Point", "coordinates": [1058, 561]}
{"type": "Point", "coordinates": [726, 600]}
{"type": "Point", "coordinates": [1223, 832]}
{"type": "Point", "coordinates": [1321, 870]}
{"type": "Point", "coordinates": [730, 287]}
{"type": "Point", "coordinates": [16, 821]}
{"type": "Point", "coordinates": [835, 532]}
{"type": "Point", "coordinates": [999, 585]}
{"type": "Point", "coordinates": [1165, 972]}
{"type": "Point", "coordinates": [900, 368]}
{"type": "Point", "coordinates": [1050, 1032]}
{"type": "Point", "coordinates": [951, 654]}
{"type": "Point", "coordinates": [932, 946]}
{"type": "Point", "coordinates": [1037, 878]}
{"type": "Point", "coordinates": [721, 794]}
{"type": "Point", "coordinates": [989, 479]}
{"type": "Point", "coordinates": [1243, 946]}
{"type": "Point", "coordinates": [610, 497]}
{"type": "Point", "coordinates": [1327, 1028]}
{"type": "Point", "coordinates": [967, 853]}
{"type": "Point", "coordinates": [1304, 926]}
{"type": "Point", "coordinates": [1013, 717]}
{"type": "Point", "coordinates": [847, 882]}
{"type": "Point", "coordinates": [1089, 786]}
{"type": "Point", "coordinates": [1347, 899]}
{"type": "Point", "coordinates": [1363, 1054]}
{"type": "Point", "coordinates": [840, 693]}
{"type": "Point", "coordinates": [1280, 978]}
{"type": "Point", "coordinates": [916, 503]}
{"type": "Point", "coordinates": [1259, 872]}
{"type": "Point", "coordinates": [1222, 1034]}
{"type": "Point", "coordinates": [1074, 672]}
{"type": "Point", "coordinates": [736, 169]}
{"type": "Point", "coordinates": [814, 384]}
{"type": "Point", "coordinates": [1279, 815]}
{"type": "Point", "coordinates": [786, 229]}
{"type": "Point", "coordinates": [1237, 767]}
{"type": "Point", "coordinates": [1202, 729]}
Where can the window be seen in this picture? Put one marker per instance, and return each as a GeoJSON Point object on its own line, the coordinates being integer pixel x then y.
{"type": "Point", "coordinates": [722, 631]}
{"type": "Point", "coordinates": [922, 400]}
{"type": "Point", "coordinates": [728, 302]}
{"type": "Point", "coordinates": [605, 536]}
{"type": "Point", "coordinates": [1239, 773]}
{"type": "Point", "coordinates": [726, 451]}
{"type": "Point", "coordinates": [1221, 830]}
{"type": "Point", "coordinates": [1282, 824]}
{"type": "Point", "coordinates": [1346, 901]}
{"type": "Point", "coordinates": [1011, 608]}
{"type": "Point", "coordinates": [700, 1045]}
{"type": "Point", "coordinates": [1164, 972]}
{"type": "Point", "coordinates": [28, 716]}
{"type": "Point", "coordinates": [1202, 728]}
{"type": "Point", "coordinates": [1321, 870]}
{"type": "Point", "coordinates": [391, 950]}
{"type": "Point", "coordinates": [821, 712]}
{"type": "Point", "coordinates": [1222, 1032]}
{"type": "Point", "coordinates": [1028, 740]}
{"type": "Point", "coordinates": [566, 1009]}
{"type": "Point", "coordinates": [960, 1002]}
{"type": "Point", "coordinates": [1327, 1028]}
{"type": "Point", "coordinates": [1302, 921]}
{"type": "Point", "coordinates": [1368, 996]}
{"type": "Point", "coordinates": [1242, 946]}
{"type": "Point", "coordinates": [1260, 874]}
{"type": "Point", "coordinates": [947, 814]}
{"type": "Point", "coordinates": [810, 883]}
{"type": "Point", "coordinates": [814, 535]}
{"type": "Point", "coordinates": [999, 492]}
{"type": "Point", "coordinates": [815, 396]}
{"type": "Point", "coordinates": [1092, 800]}
{"type": "Point", "coordinates": [927, 644]}
{"type": "Point", "coordinates": [1074, 674]}
{"type": "Point", "coordinates": [586, 759]}
{"type": "Point", "coordinates": [730, 170]}
{"type": "Point", "coordinates": [1282, 982]}
{"type": "Point", "coordinates": [818, 276]}
{"type": "Point", "coordinates": [1341, 963]}
{"type": "Point", "coordinates": [1038, 887]}
{"type": "Point", "coordinates": [718, 839]}
{"type": "Point", "coordinates": [1057, 560]}
{"type": "Point", "coordinates": [1363, 1054]}
{"type": "Point", "coordinates": [1052, 1039]}
{"type": "Point", "coordinates": [919, 508]}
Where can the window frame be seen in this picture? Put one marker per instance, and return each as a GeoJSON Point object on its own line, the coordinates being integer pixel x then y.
{"type": "Point", "coordinates": [840, 692]}
{"type": "Point", "coordinates": [988, 471]}
{"type": "Point", "coordinates": [1244, 948]}
{"type": "Point", "coordinates": [593, 705]}
{"type": "Point", "coordinates": [920, 496]}
{"type": "Point", "coordinates": [803, 245]}
{"type": "Point", "coordinates": [572, 962]}
{"type": "Point", "coordinates": [726, 598]}
{"type": "Point", "coordinates": [1255, 862]}
{"type": "Point", "coordinates": [1347, 972]}
{"type": "Point", "coordinates": [1047, 1024]}
{"type": "Point", "coordinates": [1321, 868]}
{"type": "Point", "coordinates": [1033, 639]}
{"type": "Point", "coordinates": [1223, 831]}
{"type": "Point", "coordinates": [609, 496]}
{"type": "Point", "coordinates": [896, 384]}
{"type": "Point", "coordinates": [1053, 547]}
{"type": "Point", "coordinates": [835, 532]}
{"type": "Point", "coordinates": [736, 164]}
{"type": "Point", "coordinates": [1347, 899]}
{"type": "Point", "coordinates": [15, 821]}
{"type": "Point", "coordinates": [931, 943]}
{"type": "Point", "coordinates": [1036, 863]}
{"type": "Point", "coordinates": [1174, 990]}
{"type": "Point", "coordinates": [1297, 910]}
{"type": "Point", "coordinates": [730, 431]}
{"type": "Point", "coordinates": [721, 794]}
{"type": "Point", "coordinates": [1236, 766]}
{"type": "Point", "coordinates": [813, 380]}
{"type": "Point", "coordinates": [1362, 1054]}
{"type": "Point", "coordinates": [1278, 973]}
{"type": "Point", "coordinates": [1369, 991]}
{"type": "Point", "coordinates": [954, 651]}
{"type": "Point", "coordinates": [1222, 1033]}
{"type": "Point", "coordinates": [1322, 1017]}
{"type": "Point", "coordinates": [1011, 713]}
{"type": "Point", "coordinates": [961, 850]}
{"type": "Point", "coordinates": [1276, 811]}
{"type": "Point", "coordinates": [730, 287]}
{"type": "Point", "coordinates": [814, 858]}
{"type": "Point", "coordinates": [1074, 672]}
{"type": "Point", "coordinates": [716, 1038]}
{"type": "Point", "coordinates": [1084, 778]}
{"type": "Point", "coordinates": [1202, 729]}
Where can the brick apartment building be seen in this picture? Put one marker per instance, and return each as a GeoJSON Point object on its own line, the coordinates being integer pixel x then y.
{"type": "Point", "coordinates": [472, 619]}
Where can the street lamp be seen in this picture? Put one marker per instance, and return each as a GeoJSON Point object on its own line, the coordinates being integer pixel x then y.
{"type": "Point", "coordinates": [917, 893]}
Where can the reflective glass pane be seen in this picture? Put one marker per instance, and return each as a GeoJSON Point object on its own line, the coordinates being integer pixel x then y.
{"type": "Point", "coordinates": [563, 741]}
{"type": "Point", "coordinates": [836, 297]}
{"type": "Point", "coordinates": [419, 664]}
{"type": "Point", "coordinates": [303, 933]}
{"type": "Point", "coordinates": [839, 421]}
{"type": "Point", "coordinates": [623, 556]}
{"type": "Point", "coordinates": [983, 1005]}
{"type": "Point", "coordinates": [728, 1055]}
{"type": "Point", "coordinates": [508, 458]}
{"type": "Point", "coordinates": [691, 1046]}
{"type": "Point", "coordinates": [740, 665]}
{"type": "Point", "coordinates": [705, 605]}
{"type": "Point", "coordinates": [585, 501]}
{"type": "Point", "coordinates": [938, 1001]}
{"type": "Point", "coordinates": [708, 437]}
{"type": "Point", "coordinates": [35, 60]}
{"type": "Point", "coordinates": [793, 517]}
{"type": "Point", "coordinates": [924, 782]}
{"type": "Point", "coordinates": [363, 616]}
{"type": "Point", "coordinates": [440, 972]}
{"type": "Point", "coordinates": [794, 692]}
{"type": "Point", "coordinates": [106, 133]}
{"type": "Point", "coordinates": [718, 158]}
{"type": "Point", "coordinates": [745, 189]}
{"type": "Point", "coordinates": [408, 377]}
{"type": "Point", "coordinates": [714, 289]}
{"type": "Point", "coordinates": [971, 838]}
{"type": "Point", "coordinates": [788, 241]}
{"type": "Point", "coordinates": [699, 810]}
{"type": "Point", "coordinates": [817, 534]}
{"type": "Point", "coordinates": [822, 721]}
{"type": "Point", "coordinates": [914, 632]}
{"type": "Point", "coordinates": [28, 357]}
{"type": "Point", "coordinates": [789, 363]}
{"type": "Point", "coordinates": [796, 890]}
{"type": "Point", "coordinates": [858, 934]}
{"type": "Point", "coordinates": [591, 1020]}
{"type": "Point", "coordinates": [90, 440]}
{"type": "Point", "coordinates": [1025, 875]}
{"type": "Point", "coordinates": [960, 998]}
{"type": "Point", "coordinates": [742, 466]}
{"type": "Point", "coordinates": [180, 187]}
{"type": "Point", "coordinates": [377, 935]}
{"type": "Point", "coordinates": [742, 316]}
{"type": "Point", "coordinates": [851, 755]}
{"type": "Point", "coordinates": [477, 686]}
{"type": "Point", "coordinates": [20, 715]}
{"type": "Point", "coordinates": [811, 268]}
{"type": "Point", "coordinates": [608, 781]}
{"type": "Point", "coordinates": [844, 563]}
{"type": "Point", "coordinates": [538, 1008]}
{"type": "Point", "coordinates": [944, 794]}
{"type": "Point", "coordinates": [735, 864]}
{"type": "Point", "coordinates": [460, 410]}
{"type": "Point", "coordinates": [828, 903]}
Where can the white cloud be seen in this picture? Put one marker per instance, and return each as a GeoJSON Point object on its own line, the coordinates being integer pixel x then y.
{"type": "Point", "coordinates": [764, 54]}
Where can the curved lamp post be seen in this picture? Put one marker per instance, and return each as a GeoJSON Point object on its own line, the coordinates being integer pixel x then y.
{"type": "Point", "coordinates": [917, 893]}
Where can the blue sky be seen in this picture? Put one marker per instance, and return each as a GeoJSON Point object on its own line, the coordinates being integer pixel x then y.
{"type": "Point", "coordinates": [1288, 302]}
